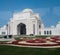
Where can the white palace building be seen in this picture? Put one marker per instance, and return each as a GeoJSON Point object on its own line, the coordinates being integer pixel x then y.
{"type": "Point", "coordinates": [26, 23]}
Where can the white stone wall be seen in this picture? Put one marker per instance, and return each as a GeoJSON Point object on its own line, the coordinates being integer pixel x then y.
{"type": "Point", "coordinates": [29, 26]}
{"type": "Point", "coordinates": [29, 18]}
{"type": "Point", "coordinates": [3, 30]}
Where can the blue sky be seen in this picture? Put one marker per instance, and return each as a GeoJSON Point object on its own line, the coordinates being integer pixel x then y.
{"type": "Point", "coordinates": [49, 10]}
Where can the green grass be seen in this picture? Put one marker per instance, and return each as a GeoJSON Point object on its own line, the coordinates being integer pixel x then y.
{"type": "Point", "coordinates": [10, 50]}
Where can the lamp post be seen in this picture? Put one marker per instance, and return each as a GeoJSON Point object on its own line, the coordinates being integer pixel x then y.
{"type": "Point", "coordinates": [7, 30]}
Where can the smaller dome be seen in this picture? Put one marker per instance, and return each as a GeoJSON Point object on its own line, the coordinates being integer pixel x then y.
{"type": "Point", "coordinates": [59, 22]}
{"type": "Point", "coordinates": [52, 26]}
{"type": "Point", "coordinates": [27, 10]}
{"type": "Point", "coordinates": [58, 25]}
{"type": "Point", "coordinates": [42, 25]}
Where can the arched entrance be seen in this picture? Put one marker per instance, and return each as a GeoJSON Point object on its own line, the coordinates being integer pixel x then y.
{"type": "Point", "coordinates": [21, 29]}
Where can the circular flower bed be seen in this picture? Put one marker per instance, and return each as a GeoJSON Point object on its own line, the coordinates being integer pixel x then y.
{"type": "Point", "coordinates": [53, 41]}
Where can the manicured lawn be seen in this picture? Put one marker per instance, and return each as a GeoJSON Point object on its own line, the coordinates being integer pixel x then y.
{"type": "Point", "coordinates": [10, 50]}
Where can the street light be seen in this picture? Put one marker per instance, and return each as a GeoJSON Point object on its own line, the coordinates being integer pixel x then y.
{"type": "Point", "coordinates": [7, 30]}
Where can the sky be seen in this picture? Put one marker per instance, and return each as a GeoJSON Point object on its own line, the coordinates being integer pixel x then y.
{"type": "Point", "coordinates": [49, 10]}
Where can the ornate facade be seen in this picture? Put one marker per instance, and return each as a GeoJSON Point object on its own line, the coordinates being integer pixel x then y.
{"type": "Point", "coordinates": [27, 22]}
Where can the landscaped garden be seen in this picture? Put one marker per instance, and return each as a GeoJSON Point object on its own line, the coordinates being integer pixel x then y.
{"type": "Point", "coordinates": [25, 41]}
{"type": "Point", "coordinates": [10, 48]}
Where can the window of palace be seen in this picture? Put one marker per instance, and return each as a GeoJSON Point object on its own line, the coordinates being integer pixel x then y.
{"type": "Point", "coordinates": [33, 28]}
{"type": "Point", "coordinates": [3, 33]}
{"type": "Point", "coordinates": [50, 32]}
{"type": "Point", "coordinates": [39, 32]}
{"type": "Point", "coordinates": [45, 32]}
{"type": "Point", "coordinates": [39, 26]}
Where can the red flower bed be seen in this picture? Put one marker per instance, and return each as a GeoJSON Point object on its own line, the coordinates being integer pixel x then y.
{"type": "Point", "coordinates": [38, 44]}
{"type": "Point", "coordinates": [37, 41]}
{"type": "Point", "coordinates": [53, 40]}
{"type": "Point", "coordinates": [57, 42]}
{"type": "Point", "coordinates": [55, 37]}
{"type": "Point", "coordinates": [30, 41]}
{"type": "Point", "coordinates": [15, 42]}
{"type": "Point", "coordinates": [1, 42]}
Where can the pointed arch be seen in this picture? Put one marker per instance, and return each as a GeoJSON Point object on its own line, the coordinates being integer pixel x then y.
{"type": "Point", "coordinates": [21, 29]}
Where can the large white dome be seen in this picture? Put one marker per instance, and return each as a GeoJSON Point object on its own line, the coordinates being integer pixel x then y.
{"type": "Point", "coordinates": [27, 10]}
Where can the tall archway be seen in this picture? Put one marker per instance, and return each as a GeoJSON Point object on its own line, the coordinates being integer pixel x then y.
{"type": "Point", "coordinates": [21, 29]}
